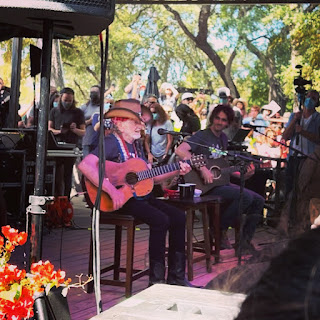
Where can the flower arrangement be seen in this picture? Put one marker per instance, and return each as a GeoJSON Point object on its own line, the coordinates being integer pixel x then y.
{"type": "Point", "coordinates": [17, 287]}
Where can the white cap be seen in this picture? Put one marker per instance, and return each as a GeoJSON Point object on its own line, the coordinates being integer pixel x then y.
{"type": "Point", "coordinates": [186, 95]}
{"type": "Point", "coordinates": [223, 90]}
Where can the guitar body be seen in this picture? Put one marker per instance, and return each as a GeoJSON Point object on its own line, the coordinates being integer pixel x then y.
{"type": "Point", "coordinates": [119, 174]}
{"type": "Point", "coordinates": [220, 170]}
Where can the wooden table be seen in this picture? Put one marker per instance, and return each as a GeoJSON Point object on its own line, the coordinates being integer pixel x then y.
{"type": "Point", "coordinates": [202, 204]}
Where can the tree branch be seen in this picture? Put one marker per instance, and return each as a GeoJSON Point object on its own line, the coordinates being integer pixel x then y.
{"type": "Point", "coordinates": [311, 7]}
{"type": "Point", "coordinates": [204, 15]}
{"type": "Point", "coordinates": [230, 60]}
{"type": "Point", "coordinates": [180, 22]}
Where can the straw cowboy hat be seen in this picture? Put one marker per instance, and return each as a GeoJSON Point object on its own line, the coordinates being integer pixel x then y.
{"type": "Point", "coordinates": [244, 102]}
{"type": "Point", "coordinates": [126, 108]}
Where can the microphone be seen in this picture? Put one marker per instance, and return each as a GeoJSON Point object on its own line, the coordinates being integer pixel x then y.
{"type": "Point", "coordinates": [162, 131]}
{"type": "Point", "coordinates": [252, 126]}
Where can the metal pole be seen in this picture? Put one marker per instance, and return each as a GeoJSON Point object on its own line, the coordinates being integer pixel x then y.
{"type": "Point", "coordinates": [15, 82]}
{"type": "Point", "coordinates": [41, 146]}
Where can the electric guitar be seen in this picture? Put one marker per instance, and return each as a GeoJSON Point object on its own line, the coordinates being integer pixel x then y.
{"type": "Point", "coordinates": [221, 172]}
{"type": "Point", "coordinates": [133, 178]}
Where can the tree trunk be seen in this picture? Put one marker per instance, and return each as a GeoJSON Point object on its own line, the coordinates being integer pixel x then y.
{"type": "Point", "coordinates": [201, 42]}
{"type": "Point", "coordinates": [57, 77]}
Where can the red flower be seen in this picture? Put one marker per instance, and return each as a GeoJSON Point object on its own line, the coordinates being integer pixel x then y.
{"type": "Point", "coordinates": [9, 233]}
{"type": "Point", "coordinates": [22, 238]}
{"type": "Point", "coordinates": [16, 289]}
{"type": "Point", "coordinates": [20, 308]}
{"type": "Point", "coordinates": [14, 236]}
{"type": "Point", "coordinates": [10, 274]}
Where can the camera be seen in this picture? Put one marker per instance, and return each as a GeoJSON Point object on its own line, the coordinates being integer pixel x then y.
{"type": "Point", "coordinates": [301, 82]}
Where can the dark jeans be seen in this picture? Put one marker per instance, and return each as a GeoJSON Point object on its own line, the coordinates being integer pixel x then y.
{"type": "Point", "coordinates": [252, 206]}
{"type": "Point", "coordinates": [63, 181]}
{"type": "Point", "coordinates": [161, 218]}
{"type": "Point", "coordinates": [292, 171]}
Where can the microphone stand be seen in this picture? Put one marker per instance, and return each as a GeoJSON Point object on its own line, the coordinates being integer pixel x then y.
{"type": "Point", "coordinates": [243, 161]}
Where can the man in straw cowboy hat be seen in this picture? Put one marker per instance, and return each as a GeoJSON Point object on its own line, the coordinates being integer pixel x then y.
{"type": "Point", "coordinates": [120, 146]}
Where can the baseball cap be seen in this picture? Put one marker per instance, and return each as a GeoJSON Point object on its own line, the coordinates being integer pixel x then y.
{"type": "Point", "coordinates": [186, 95]}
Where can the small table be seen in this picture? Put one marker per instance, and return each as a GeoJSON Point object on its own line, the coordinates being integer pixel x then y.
{"type": "Point", "coordinates": [202, 204]}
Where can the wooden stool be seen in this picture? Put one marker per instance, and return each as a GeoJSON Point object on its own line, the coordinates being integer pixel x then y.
{"type": "Point", "coordinates": [190, 206]}
{"type": "Point", "coordinates": [214, 224]}
{"type": "Point", "coordinates": [119, 221]}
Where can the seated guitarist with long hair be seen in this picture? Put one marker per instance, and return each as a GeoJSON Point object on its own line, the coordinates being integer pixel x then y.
{"type": "Point", "coordinates": [124, 153]}
{"type": "Point", "coordinates": [214, 137]}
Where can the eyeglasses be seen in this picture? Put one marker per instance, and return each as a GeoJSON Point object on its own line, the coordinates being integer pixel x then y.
{"type": "Point", "coordinates": [190, 99]}
{"type": "Point", "coordinates": [151, 102]}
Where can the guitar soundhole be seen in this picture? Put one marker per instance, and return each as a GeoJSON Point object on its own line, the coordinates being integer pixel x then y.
{"type": "Point", "coordinates": [216, 172]}
{"type": "Point", "coordinates": [131, 178]}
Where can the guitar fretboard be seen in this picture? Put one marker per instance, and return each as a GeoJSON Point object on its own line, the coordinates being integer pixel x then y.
{"type": "Point", "coordinates": [158, 171]}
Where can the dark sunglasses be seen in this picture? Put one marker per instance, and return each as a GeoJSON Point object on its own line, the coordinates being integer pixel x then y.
{"type": "Point", "coordinates": [190, 99]}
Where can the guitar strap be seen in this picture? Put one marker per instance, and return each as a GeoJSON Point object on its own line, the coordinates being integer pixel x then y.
{"type": "Point", "coordinates": [123, 148]}
{"type": "Point", "coordinates": [125, 155]}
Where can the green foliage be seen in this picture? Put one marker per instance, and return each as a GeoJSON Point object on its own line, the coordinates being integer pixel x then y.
{"type": "Point", "coordinates": [306, 37]}
{"type": "Point", "coordinates": [142, 36]}
{"type": "Point", "coordinates": [259, 85]}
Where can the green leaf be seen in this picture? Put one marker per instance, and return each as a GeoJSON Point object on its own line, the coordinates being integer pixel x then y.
{"type": "Point", "coordinates": [13, 294]}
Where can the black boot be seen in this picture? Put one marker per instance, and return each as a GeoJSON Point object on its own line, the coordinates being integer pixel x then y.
{"type": "Point", "coordinates": [171, 277]}
{"type": "Point", "coordinates": [156, 272]}
{"type": "Point", "coordinates": [176, 271]}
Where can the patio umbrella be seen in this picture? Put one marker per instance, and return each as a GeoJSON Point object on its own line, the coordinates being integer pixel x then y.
{"type": "Point", "coordinates": [152, 87]}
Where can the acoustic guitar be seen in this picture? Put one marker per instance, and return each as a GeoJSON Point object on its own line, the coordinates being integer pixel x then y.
{"type": "Point", "coordinates": [221, 171]}
{"type": "Point", "coordinates": [133, 178]}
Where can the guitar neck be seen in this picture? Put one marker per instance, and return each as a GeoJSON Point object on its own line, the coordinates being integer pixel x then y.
{"type": "Point", "coordinates": [158, 171]}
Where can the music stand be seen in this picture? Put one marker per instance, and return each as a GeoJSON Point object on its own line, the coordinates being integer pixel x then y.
{"type": "Point", "coordinates": [239, 136]}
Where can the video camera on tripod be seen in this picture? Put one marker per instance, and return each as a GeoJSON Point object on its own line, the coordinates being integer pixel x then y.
{"type": "Point", "coordinates": [301, 91]}
{"type": "Point", "coordinates": [301, 82]}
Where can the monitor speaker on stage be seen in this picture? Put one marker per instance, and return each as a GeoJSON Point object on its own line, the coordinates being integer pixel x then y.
{"type": "Point", "coordinates": [35, 60]}
{"type": "Point", "coordinates": [70, 17]}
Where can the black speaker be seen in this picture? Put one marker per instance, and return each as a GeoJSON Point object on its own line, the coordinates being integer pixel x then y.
{"type": "Point", "coordinates": [35, 60]}
{"type": "Point", "coordinates": [21, 18]}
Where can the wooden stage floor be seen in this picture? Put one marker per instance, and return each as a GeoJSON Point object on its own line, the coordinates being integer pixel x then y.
{"type": "Point", "coordinates": [69, 249]}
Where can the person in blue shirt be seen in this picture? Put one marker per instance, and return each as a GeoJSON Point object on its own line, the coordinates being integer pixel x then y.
{"type": "Point", "coordinates": [256, 118]}
{"type": "Point", "coordinates": [306, 125]}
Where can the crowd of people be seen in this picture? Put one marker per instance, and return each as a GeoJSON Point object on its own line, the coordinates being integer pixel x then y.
{"type": "Point", "coordinates": [141, 126]}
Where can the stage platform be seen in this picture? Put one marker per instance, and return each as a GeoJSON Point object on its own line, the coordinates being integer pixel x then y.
{"type": "Point", "coordinates": [68, 249]}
